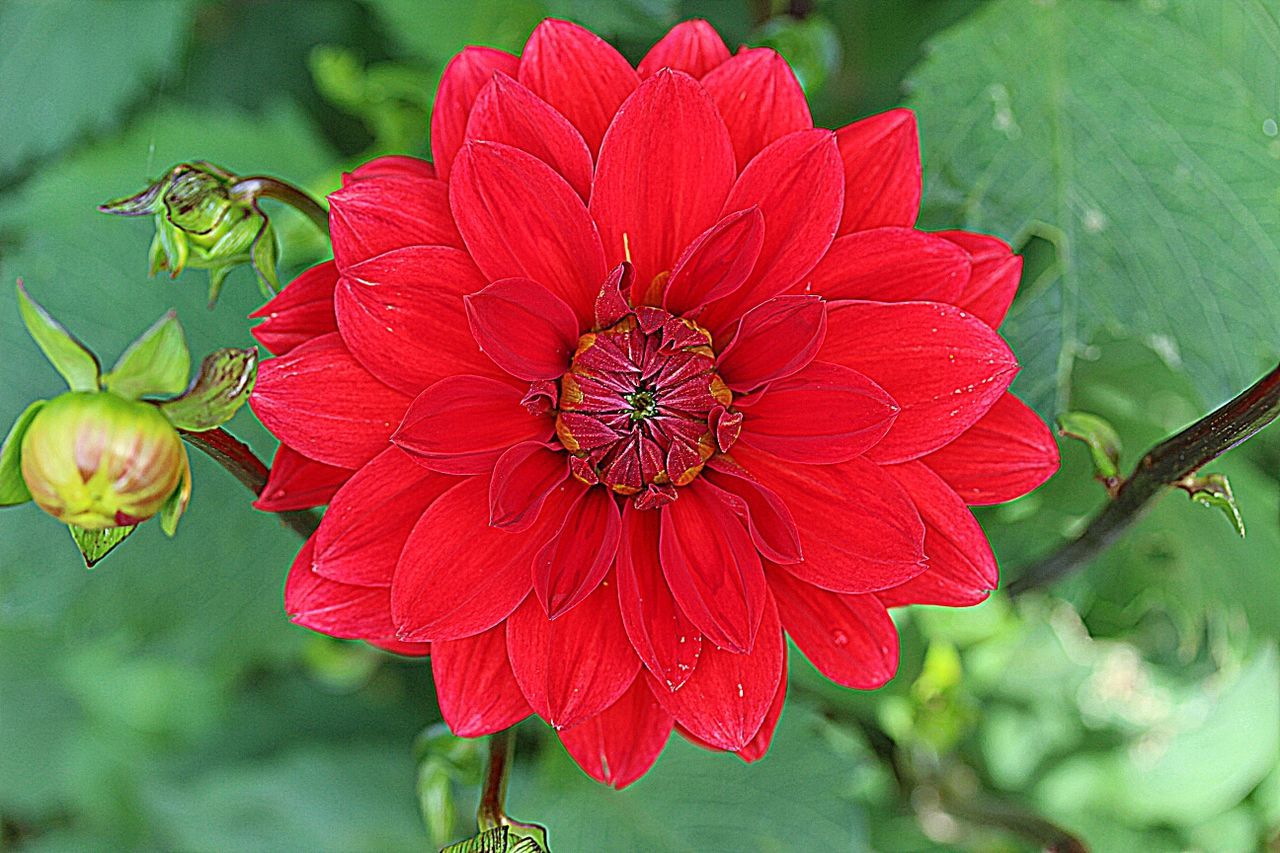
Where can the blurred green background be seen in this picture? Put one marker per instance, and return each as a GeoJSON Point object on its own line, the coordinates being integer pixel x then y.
{"type": "Point", "coordinates": [1128, 147]}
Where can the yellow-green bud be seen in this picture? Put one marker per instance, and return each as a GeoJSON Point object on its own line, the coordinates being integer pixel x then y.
{"type": "Point", "coordinates": [96, 460]}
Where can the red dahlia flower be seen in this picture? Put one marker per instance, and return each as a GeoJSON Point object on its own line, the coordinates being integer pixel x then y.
{"type": "Point", "coordinates": [641, 375]}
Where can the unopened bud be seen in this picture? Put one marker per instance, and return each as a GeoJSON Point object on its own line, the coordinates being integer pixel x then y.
{"type": "Point", "coordinates": [97, 460]}
{"type": "Point", "coordinates": [204, 222]}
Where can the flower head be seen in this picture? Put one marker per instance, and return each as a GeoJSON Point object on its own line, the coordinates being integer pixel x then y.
{"type": "Point", "coordinates": [642, 374]}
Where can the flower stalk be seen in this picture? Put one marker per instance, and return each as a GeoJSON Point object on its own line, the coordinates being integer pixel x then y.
{"type": "Point", "coordinates": [243, 464]}
{"type": "Point", "coordinates": [254, 187]}
{"type": "Point", "coordinates": [1165, 466]}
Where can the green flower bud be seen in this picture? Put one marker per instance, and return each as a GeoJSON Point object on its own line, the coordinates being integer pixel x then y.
{"type": "Point", "coordinates": [205, 220]}
{"type": "Point", "coordinates": [96, 460]}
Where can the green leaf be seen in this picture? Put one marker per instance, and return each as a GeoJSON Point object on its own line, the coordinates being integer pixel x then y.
{"type": "Point", "coordinates": [73, 66]}
{"type": "Point", "coordinates": [1214, 491]}
{"type": "Point", "coordinates": [1148, 158]}
{"type": "Point", "coordinates": [69, 357]}
{"type": "Point", "coordinates": [695, 800]}
{"type": "Point", "coordinates": [96, 544]}
{"type": "Point", "coordinates": [13, 489]}
{"type": "Point", "coordinates": [156, 363]}
{"type": "Point", "coordinates": [216, 393]}
{"type": "Point", "coordinates": [809, 44]}
{"type": "Point", "coordinates": [437, 29]}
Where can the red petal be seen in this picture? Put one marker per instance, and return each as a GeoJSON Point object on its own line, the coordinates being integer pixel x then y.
{"type": "Point", "coordinates": [1007, 453]}
{"type": "Point", "coordinates": [759, 744]}
{"type": "Point", "coordinates": [825, 413]}
{"type": "Point", "coordinates": [619, 745]}
{"type": "Point", "coordinates": [321, 402]}
{"type": "Point", "coordinates": [462, 424]}
{"type": "Point", "coordinates": [572, 564]}
{"type": "Point", "coordinates": [475, 687]}
{"type": "Point", "coordinates": [891, 265]}
{"type": "Point", "coordinates": [664, 638]}
{"type": "Point", "coordinates": [961, 568]}
{"type": "Point", "coordinates": [402, 316]}
{"type": "Point", "coordinates": [409, 650]}
{"type": "Point", "coordinates": [522, 479]}
{"type": "Point", "coordinates": [336, 609]}
{"type": "Point", "coordinates": [574, 667]}
{"type": "Point", "coordinates": [520, 219]}
{"type": "Point", "coordinates": [301, 311]}
{"type": "Point", "coordinates": [772, 528]}
{"type": "Point", "coordinates": [365, 528]}
{"type": "Point", "coordinates": [717, 263]}
{"type": "Point", "coordinates": [655, 191]}
{"type": "Point", "coordinates": [578, 73]}
{"type": "Point", "coordinates": [509, 113]}
{"type": "Point", "coordinates": [712, 566]}
{"type": "Point", "coordinates": [859, 529]}
{"type": "Point", "coordinates": [760, 98]}
{"type": "Point", "coordinates": [457, 575]}
{"type": "Point", "coordinates": [798, 184]}
{"type": "Point", "coordinates": [693, 47]}
{"type": "Point", "coordinates": [881, 157]}
{"type": "Point", "coordinates": [390, 165]}
{"type": "Point", "coordinates": [463, 79]}
{"type": "Point", "coordinates": [526, 329]}
{"type": "Point", "coordinates": [296, 482]}
{"type": "Point", "coordinates": [944, 367]}
{"type": "Point", "coordinates": [775, 339]}
{"type": "Point", "coordinates": [376, 215]}
{"type": "Point", "coordinates": [849, 638]}
{"type": "Point", "coordinates": [996, 273]}
{"type": "Point", "coordinates": [729, 695]}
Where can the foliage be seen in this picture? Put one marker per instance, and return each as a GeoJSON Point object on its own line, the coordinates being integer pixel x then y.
{"type": "Point", "coordinates": [1129, 149]}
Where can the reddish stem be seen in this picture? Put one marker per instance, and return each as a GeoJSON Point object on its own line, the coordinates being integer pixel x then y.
{"type": "Point", "coordinates": [235, 456]}
{"type": "Point", "coordinates": [1161, 468]}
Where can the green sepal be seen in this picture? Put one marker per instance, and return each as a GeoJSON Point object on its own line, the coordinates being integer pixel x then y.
{"type": "Point", "coordinates": [13, 489]}
{"type": "Point", "coordinates": [96, 544]}
{"type": "Point", "coordinates": [1214, 490]}
{"type": "Point", "coordinates": [217, 277]}
{"type": "Point", "coordinates": [500, 839]}
{"type": "Point", "coordinates": [139, 204]}
{"type": "Point", "coordinates": [176, 505]}
{"type": "Point", "coordinates": [1102, 440]}
{"type": "Point", "coordinates": [265, 255]}
{"type": "Point", "coordinates": [173, 246]}
{"type": "Point", "coordinates": [156, 363]}
{"type": "Point", "coordinates": [69, 357]}
{"type": "Point", "coordinates": [217, 392]}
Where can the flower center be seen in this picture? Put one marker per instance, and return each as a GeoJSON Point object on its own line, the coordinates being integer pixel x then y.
{"type": "Point", "coordinates": [642, 408]}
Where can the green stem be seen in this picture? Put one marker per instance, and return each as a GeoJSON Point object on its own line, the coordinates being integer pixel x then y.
{"type": "Point", "coordinates": [264, 186]}
{"type": "Point", "coordinates": [1163, 467]}
{"type": "Point", "coordinates": [236, 457]}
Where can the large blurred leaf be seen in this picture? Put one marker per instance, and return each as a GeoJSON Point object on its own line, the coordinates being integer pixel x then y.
{"type": "Point", "coordinates": [1140, 139]}
{"type": "Point", "coordinates": [72, 66]}
{"type": "Point", "coordinates": [694, 800]}
{"type": "Point", "coordinates": [437, 29]}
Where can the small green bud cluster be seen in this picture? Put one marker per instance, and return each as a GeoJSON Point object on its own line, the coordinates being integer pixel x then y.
{"type": "Point", "coordinates": [107, 455]}
{"type": "Point", "coordinates": [205, 218]}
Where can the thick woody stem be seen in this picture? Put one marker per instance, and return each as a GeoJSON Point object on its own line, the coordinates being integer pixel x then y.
{"type": "Point", "coordinates": [235, 456]}
{"type": "Point", "coordinates": [1160, 469]}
